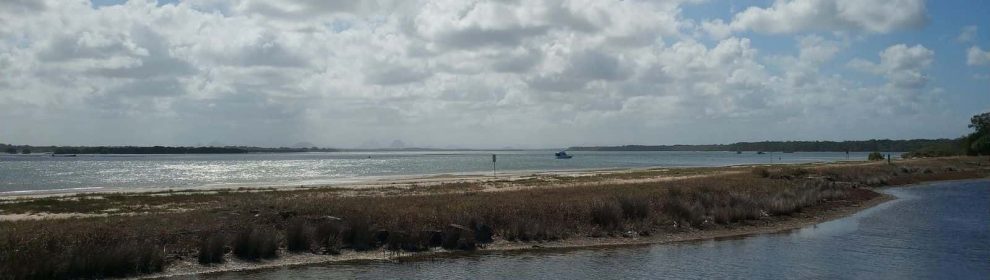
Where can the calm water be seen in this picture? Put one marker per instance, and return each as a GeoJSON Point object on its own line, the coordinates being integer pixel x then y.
{"type": "Point", "coordinates": [20, 173]}
{"type": "Point", "coordinates": [937, 231]}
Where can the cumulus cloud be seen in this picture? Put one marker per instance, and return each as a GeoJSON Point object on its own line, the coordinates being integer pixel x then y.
{"type": "Point", "coordinates": [793, 16]}
{"type": "Point", "coordinates": [968, 34]}
{"type": "Point", "coordinates": [439, 73]}
{"type": "Point", "coordinates": [904, 67]}
{"type": "Point", "coordinates": [977, 56]}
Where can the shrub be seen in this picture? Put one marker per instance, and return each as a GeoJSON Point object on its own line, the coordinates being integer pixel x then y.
{"type": "Point", "coordinates": [119, 260]}
{"type": "Point", "coordinates": [328, 236]}
{"type": "Point", "coordinates": [634, 207]}
{"type": "Point", "coordinates": [482, 232]}
{"type": "Point", "coordinates": [253, 243]}
{"type": "Point", "coordinates": [358, 235]}
{"type": "Point", "coordinates": [685, 209]}
{"type": "Point", "coordinates": [211, 248]}
{"type": "Point", "coordinates": [298, 236]}
{"type": "Point", "coordinates": [874, 156]}
{"type": "Point", "coordinates": [457, 237]}
{"type": "Point", "coordinates": [761, 172]}
{"type": "Point", "coordinates": [606, 215]}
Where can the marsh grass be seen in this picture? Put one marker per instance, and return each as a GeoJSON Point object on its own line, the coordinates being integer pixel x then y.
{"type": "Point", "coordinates": [260, 224]}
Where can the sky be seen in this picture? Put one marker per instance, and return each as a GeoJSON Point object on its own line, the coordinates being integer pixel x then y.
{"type": "Point", "coordinates": [488, 74]}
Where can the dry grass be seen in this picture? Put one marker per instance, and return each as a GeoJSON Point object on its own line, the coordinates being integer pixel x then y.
{"type": "Point", "coordinates": [258, 225]}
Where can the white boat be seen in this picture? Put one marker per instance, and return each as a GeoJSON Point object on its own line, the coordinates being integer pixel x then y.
{"type": "Point", "coordinates": [562, 155]}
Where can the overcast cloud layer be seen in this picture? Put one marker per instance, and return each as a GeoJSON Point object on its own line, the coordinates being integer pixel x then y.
{"type": "Point", "coordinates": [481, 73]}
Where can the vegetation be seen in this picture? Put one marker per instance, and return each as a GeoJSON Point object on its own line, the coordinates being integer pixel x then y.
{"type": "Point", "coordinates": [978, 142]}
{"type": "Point", "coordinates": [265, 224]}
{"type": "Point", "coordinates": [211, 249]}
{"type": "Point", "coordinates": [787, 146]}
{"type": "Point", "coordinates": [874, 156]}
{"type": "Point", "coordinates": [975, 143]}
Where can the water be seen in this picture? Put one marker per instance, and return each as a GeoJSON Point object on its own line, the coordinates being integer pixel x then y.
{"type": "Point", "coordinates": [32, 173]}
{"type": "Point", "coordinates": [938, 231]}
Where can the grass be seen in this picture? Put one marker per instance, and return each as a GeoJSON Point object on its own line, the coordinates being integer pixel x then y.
{"type": "Point", "coordinates": [261, 225]}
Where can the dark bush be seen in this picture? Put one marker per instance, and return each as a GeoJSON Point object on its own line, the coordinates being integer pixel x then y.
{"type": "Point", "coordinates": [607, 215]}
{"type": "Point", "coordinates": [211, 248]}
{"type": "Point", "coordinates": [761, 172]}
{"type": "Point", "coordinates": [874, 156]}
{"type": "Point", "coordinates": [328, 235]}
{"type": "Point", "coordinates": [635, 207]}
{"type": "Point", "coordinates": [358, 235]}
{"type": "Point", "coordinates": [298, 236]}
{"type": "Point", "coordinates": [253, 243]}
{"type": "Point", "coordinates": [482, 232]}
{"type": "Point", "coordinates": [457, 237]}
{"type": "Point", "coordinates": [685, 209]}
{"type": "Point", "coordinates": [117, 261]}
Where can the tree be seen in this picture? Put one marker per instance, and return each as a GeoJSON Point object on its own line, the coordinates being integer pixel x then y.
{"type": "Point", "coordinates": [10, 151]}
{"type": "Point", "coordinates": [978, 142]}
{"type": "Point", "coordinates": [874, 156]}
{"type": "Point", "coordinates": [981, 123]}
{"type": "Point", "coordinates": [25, 151]}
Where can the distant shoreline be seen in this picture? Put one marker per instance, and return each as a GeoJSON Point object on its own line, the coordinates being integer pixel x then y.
{"type": "Point", "coordinates": [874, 145]}
{"type": "Point", "coordinates": [372, 181]}
{"type": "Point", "coordinates": [178, 233]}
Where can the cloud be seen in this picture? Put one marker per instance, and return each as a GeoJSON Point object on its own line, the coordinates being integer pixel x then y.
{"type": "Point", "coordinates": [904, 67]}
{"type": "Point", "coordinates": [968, 34]}
{"type": "Point", "coordinates": [444, 73]}
{"type": "Point", "coordinates": [976, 56]}
{"type": "Point", "coordinates": [794, 16]}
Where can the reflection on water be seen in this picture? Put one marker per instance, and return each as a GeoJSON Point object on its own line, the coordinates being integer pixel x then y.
{"type": "Point", "coordinates": [936, 231]}
{"type": "Point", "coordinates": [38, 172]}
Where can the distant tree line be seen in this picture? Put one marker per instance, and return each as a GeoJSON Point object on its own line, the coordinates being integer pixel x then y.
{"type": "Point", "coordinates": [974, 144]}
{"type": "Point", "coordinates": [25, 149]}
{"type": "Point", "coordinates": [789, 146]}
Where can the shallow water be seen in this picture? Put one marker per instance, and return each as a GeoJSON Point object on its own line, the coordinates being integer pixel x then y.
{"type": "Point", "coordinates": [934, 231]}
{"type": "Point", "coordinates": [33, 173]}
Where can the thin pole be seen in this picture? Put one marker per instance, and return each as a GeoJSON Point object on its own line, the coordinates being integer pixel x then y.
{"type": "Point", "coordinates": [493, 165]}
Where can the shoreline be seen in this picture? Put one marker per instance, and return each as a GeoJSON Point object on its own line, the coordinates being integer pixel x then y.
{"type": "Point", "coordinates": [378, 181]}
{"type": "Point", "coordinates": [414, 219]}
{"type": "Point", "coordinates": [306, 259]}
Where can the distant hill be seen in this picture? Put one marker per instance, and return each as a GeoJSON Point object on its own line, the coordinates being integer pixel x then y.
{"type": "Point", "coordinates": [788, 146]}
